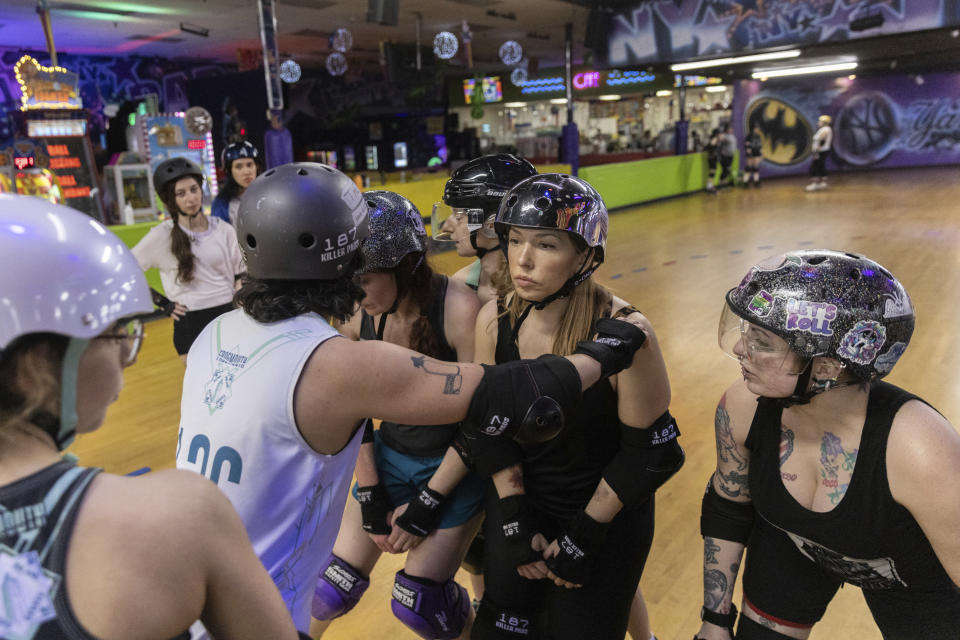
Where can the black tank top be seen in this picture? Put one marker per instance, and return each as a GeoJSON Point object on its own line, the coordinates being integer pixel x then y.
{"type": "Point", "coordinates": [868, 539]}
{"type": "Point", "coordinates": [561, 476]}
{"type": "Point", "coordinates": [754, 144]}
{"type": "Point", "coordinates": [411, 439]}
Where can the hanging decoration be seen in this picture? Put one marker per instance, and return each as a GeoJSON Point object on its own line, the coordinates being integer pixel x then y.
{"type": "Point", "coordinates": [341, 40]}
{"type": "Point", "coordinates": [290, 71]}
{"type": "Point", "coordinates": [445, 45]}
{"type": "Point", "coordinates": [511, 52]}
{"type": "Point", "coordinates": [336, 63]}
{"type": "Point", "coordinates": [518, 76]}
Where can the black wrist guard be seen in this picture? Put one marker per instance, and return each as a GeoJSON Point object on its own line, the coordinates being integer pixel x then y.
{"type": "Point", "coordinates": [725, 620]}
{"type": "Point", "coordinates": [162, 302]}
{"type": "Point", "coordinates": [423, 513]}
{"type": "Point", "coordinates": [725, 519]}
{"type": "Point", "coordinates": [578, 549]}
{"type": "Point", "coordinates": [647, 458]}
{"type": "Point", "coordinates": [614, 346]}
{"type": "Point", "coordinates": [374, 505]}
{"type": "Point", "coordinates": [518, 531]}
{"type": "Point", "coordinates": [524, 399]}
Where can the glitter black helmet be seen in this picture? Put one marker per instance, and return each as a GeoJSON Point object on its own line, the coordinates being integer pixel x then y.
{"type": "Point", "coordinates": [829, 303]}
{"type": "Point", "coordinates": [396, 230]}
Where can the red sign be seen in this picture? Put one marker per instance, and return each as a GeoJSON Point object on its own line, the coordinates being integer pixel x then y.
{"type": "Point", "coordinates": [196, 144]}
{"type": "Point", "coordinates": [22, 163]}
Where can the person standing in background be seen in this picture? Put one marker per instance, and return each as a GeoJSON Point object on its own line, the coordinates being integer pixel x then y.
{"type": "Point", "coordinates": [822, 141]}
{"type": "Point", "coordinates": [727, 148]}
{"type": "Point", "coordinates": [753, 145]}
{"type": "Point", "coordinates": [241, 163]}
{"type": "Point", "coordinates": [277, 142]}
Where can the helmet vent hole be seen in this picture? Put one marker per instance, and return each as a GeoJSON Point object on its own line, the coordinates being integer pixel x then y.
{"type": "Point", "coordinates": [853, 255]}
{"type": "Point", "coordinates": [854, 274]}
{"type": "Point", "coordinates": [886, 274]}
{"type": "Point", "coordinates": [307, 240]}
{"type": "Point", "coordinates": [542, 203]}
{"type": "Point", "coordinates": [512, 200]}
{"type": "Point", "coordinates": [371, 204]}
{"type": "Point", "coordinates": [752, 288]}
{"type": "Point", "coordinates": [327, 169]}
{"type": "Point", "coordinates": [251, 241]}
{"type": "Point", "coordinates": [816, 259]}
{"type": "Point", "coordinates": [270, 173]}
{"type": "Point", "coordinates": [301, 172]}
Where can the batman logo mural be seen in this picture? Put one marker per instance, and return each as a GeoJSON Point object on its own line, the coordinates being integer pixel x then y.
{"type": "Point", "coordinates": [786, 132]}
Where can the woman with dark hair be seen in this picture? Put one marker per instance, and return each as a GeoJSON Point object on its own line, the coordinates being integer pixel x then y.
{"type": "Point", "coordinates": [406, 303]}
{"type": "Point", "coordinates": [241, 163]}
{"type": "Point", "coordinates": [87, 554]}
{"type": "Point", "coordinates": [198, 257]}
{"type": "Point", "coordinates": [827, 475]}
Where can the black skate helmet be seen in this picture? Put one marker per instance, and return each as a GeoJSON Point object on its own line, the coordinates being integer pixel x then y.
{"type": "Point", "coordinates": [825, 303]}
{"type": "Point", "coordinates": [301, 221]}
{"type": "Point", "coordinates": [396, 230]}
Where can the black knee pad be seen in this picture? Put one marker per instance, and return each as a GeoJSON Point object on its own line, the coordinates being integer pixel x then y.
{"type": "Point", "coordinates": [498, 623]}
{"type": "Point", "coordinates": [748, 629]}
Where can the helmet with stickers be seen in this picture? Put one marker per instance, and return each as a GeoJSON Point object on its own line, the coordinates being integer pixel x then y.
{"type": "Point", "coordinates": [396, 230]}
{"type": "Point", "coordinates": [828, 303]}
{"type": "Point", "coordinates": [475, 190]}
{"type": "Point", "coordinates": [64, 273]}
{"type": "Point", "coordinates": [235, 151]}
{"type": "Point", "coordinates": [301, 221]}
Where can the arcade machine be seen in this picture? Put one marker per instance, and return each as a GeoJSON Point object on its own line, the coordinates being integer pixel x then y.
{"type": "Point", "coordinates": [129, 182]}
{"type": "Point", "coordinates": [323, 156]}
{"type": "Point", "coordinates": [161, 136]}
{"type": "Point", "coordinates": [53, 156]}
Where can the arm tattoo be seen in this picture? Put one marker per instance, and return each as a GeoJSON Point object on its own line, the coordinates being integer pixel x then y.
{"type": "Point", "coordinates": [714, 589]}
{"type": "Point", "coordinates": [450, 371]}
{"type": "Point", "coordinates": [710, 549]}
{"type": "Point", "coordinates": [733, 483]}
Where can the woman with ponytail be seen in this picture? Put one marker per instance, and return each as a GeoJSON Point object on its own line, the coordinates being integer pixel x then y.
{"type": "Point", "coordinates": [406, 303]}
{"type": "Point", "coordinates": [198, 256]}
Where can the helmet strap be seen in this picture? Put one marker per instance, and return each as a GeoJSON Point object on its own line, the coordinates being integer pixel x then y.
{"type": "Point", "coordinates": [63, 429]}
{"type": "Point", "coordinates": [804, 392]}
{"type": "Point", "coordinates": [572, 283]}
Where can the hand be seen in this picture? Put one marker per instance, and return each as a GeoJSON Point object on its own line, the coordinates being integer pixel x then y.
{"type": "Point", "coordinates": [571, 556]}
{"type": "Point", "coordinates": [518, 532]}
{"type": "Point", "coordinates": [422, 513]}
{"type": "Point", "coordinates": [401, 540]}
{"type": "Point", "coordinates": [178, 311]}
{"type": "Point", "coordinates": [536, 570]}
{"type": "Point", "coordinates": [374, 509]}
{"type": "Point", "coordinates": [713, 632]}
{"type": "Point", "coordinates": [614, 345]}
{"type": "Point", "coordinates": [382, 540]}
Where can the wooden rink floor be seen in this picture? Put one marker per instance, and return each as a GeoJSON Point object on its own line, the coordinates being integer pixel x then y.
{"type": "Point", "coordinates": [674, 260]}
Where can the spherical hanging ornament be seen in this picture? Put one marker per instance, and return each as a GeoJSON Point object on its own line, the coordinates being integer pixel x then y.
{"type": "Point", "coordinates": [518, 76]}
{"type": "Point", "coordinates": [341, 40]}
{"type": "Point", "coordinates": [290, 71]}
{"type": "Point", "coordinates": [511, 52]}
{"type": "Point", "coordinates": [336, 64]}
{"type": "Point", "coordinates": [445, 45]}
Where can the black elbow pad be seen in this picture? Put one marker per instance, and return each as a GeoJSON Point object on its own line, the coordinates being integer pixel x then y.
{"type": "Point", "coordinates": [647, 458]}
{"type": "Point", "coordinates": [725, 519]}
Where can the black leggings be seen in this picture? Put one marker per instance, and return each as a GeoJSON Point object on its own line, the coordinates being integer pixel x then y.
{"type": "Point", "coordinates": [818, 168]}
{"type": "Point", "coordinates": [187, 328]}
{"type": "Point", "coordinates": [782, 583]}
{"type": "Point", "coordinates": [725, 163]}
{"type": "Point", "coordinates": [599, 610]}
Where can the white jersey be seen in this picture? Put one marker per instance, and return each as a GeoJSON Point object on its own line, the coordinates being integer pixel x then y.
{"type": "Point", "coordinates": [822, 139]}
{"type": "Point", "coordinates": [237, 428]}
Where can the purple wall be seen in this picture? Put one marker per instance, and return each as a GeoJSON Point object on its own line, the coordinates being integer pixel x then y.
{"type": "Point", "coordinates": [880, 121]}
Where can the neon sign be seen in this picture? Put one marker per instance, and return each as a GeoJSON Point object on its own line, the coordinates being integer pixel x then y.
{"type": "Point", "coordinates": [586, 80]}
{"type": "Point", "coordinates": [22, 163]}
{"type": "Point", "coordinates": [46, 87]}
{"type": "Point", "coordinates": [196, 144]}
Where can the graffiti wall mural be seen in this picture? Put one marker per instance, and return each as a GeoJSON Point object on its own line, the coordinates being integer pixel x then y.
{"type": "Point", "coordinates": [668, 30]}
{"type": "Point", "coordinates": [106, 82]}
{"type": "Point", "coordinates": [883, 121]}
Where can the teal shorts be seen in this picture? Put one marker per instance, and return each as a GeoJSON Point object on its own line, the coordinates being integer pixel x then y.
{"type": "Point", "coordinates": [403, 477]}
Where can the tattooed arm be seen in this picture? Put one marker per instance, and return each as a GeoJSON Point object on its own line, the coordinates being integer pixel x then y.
{"type": "Point", "coordinates": [721, 558]}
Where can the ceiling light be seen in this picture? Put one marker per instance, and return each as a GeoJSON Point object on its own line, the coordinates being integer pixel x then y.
{"type": "Point", "coordinates": [717, 88]}
{"type": "Point", "coordinates": [610, 96]}
{"type": "Point", "coordinates": [851, 77]}
{"type": "Point", "coordinates": [514, 105]}
{"type": "Point", "coordinates": [802, 71]}
{"type": "Point", "coordinates": [559, 101]}
{"type": "Point", "coordinates": [663, 93]}
{"type": "Point", "coordinates": [720, 62]}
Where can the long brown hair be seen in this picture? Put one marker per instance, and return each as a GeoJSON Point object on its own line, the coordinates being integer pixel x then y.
{"type": "Point", "coordinates": [417, 284]}
{"type": "Point", "coordinates": [30, 377]}
{"type": "Point", "coordinates": [588, 302]}
{"type": "Point", "coordinates": [179, 240]}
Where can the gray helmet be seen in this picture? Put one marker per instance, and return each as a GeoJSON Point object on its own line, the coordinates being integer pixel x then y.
{"type": "Point", "coordinates": [555, 201]}
{"type": "Point", "coordinates": [396, 229]}
{"type": "Point", "coordinates": [301, 221]}
{"type": "Point", "coordinates": [833, 304]}
{"type": "Point", "coordinates": [172, 170]}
